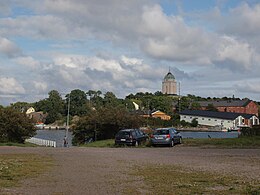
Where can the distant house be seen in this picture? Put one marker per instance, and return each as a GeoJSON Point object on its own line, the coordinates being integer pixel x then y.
{"type": "Point", "coordinates": [161, 115]}
{"type": "Point", "coordinates": [30, 110]}
{"type": "Point", "coordinates": [37, 117]}
{"type": "Point", "coordinates": [238, 106]}
{"type": "Point", "coordinates": [227, 120]}
{"type": "Point", "coordinates": [152, 114]}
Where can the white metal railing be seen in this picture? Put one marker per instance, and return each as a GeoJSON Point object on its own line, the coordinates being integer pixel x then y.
{"type": "Point", "coordinates": [42, 142]}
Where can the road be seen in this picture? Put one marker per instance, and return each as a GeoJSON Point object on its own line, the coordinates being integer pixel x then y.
{"type": "Point", "coordinates": [106, 170]}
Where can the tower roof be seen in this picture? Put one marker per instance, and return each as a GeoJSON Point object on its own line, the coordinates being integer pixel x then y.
{"type": "Point", "coordinates": [169, 76]}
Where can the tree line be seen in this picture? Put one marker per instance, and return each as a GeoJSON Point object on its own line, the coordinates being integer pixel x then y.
{"type": "Point", "coordinates": [100, 116]}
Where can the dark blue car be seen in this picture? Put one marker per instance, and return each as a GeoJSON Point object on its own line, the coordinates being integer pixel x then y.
{"type": "Point", "coordinates": [132, 137]}
{"type": "Point", "coordinates": [166, 136]}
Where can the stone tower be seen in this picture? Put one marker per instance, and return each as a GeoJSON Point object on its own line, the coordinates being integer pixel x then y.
{"type": "Point", "coordinates": [169, 84]}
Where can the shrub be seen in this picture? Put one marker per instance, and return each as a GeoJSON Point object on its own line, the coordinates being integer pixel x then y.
{"type": "Point", "coordinates": [254, 131]}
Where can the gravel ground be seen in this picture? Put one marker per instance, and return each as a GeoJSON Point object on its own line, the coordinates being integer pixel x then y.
{"type": "Point", "coordinates": [106, 170]}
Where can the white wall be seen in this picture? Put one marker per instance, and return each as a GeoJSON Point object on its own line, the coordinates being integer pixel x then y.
{"type": "Point", "coordinates": [209, 121]}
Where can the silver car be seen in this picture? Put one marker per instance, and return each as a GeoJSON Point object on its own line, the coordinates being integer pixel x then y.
{"type": "Point", "coordinates": [166, 136]}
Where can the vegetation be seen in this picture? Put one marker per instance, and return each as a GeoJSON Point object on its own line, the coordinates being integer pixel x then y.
{"type": "Point", "coordinates": [15, 126]}
{"type": "Point", "coordinates": [108, 143]}
{"type": "Point", "coordinates": [254, 131]}
{"type": "Point", "coordinates": [104, 124]}
{"type": "Point", "coordinates": [241, 142]}
{"type": "Point", "coordinates": [26, 144]}
{"type": "Point", "coordinates": [97, 115]}
{"type": "Point", "coordinates": [16, 167]}
{"type": "Point", "coordinates": [169, 179]}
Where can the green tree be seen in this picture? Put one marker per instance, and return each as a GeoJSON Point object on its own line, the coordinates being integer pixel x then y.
{"type": "Point", "coordinates": [111, 100]}
{"type": "Point", "coordinates": [194, 122]}
{"type": "Point", "coordinates": [15, 126]}
{"type": "Point", "coordinates": [21, 106]}
{"type": "Point", "coordinates": [95, 99]}
{"type": "Point", "coordinates": [195, 106]}
{"type": "Point", "coordinates": [211, 107]}
{"type": "Point", "coordinates": [104, 123]}
{"type": "Point", "coordinates": [54, 106]}
{"type": "Point", "coordinates": [78, 102]}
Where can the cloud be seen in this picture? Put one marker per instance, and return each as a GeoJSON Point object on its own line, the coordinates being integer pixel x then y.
{"type": "Point", "coordinates": [9, 48]}
{"type": "Point", "coordinates": [243, 21]}
{"type": "Point", "coordinates": [27, 61]}
{"type": "Point", "coordinates": [234, 54]}
{"type": "Point", "coordinates": [248, 87]}
{"type": "Point", "coordinates": [5, 8]}
{"type": "Point", "coordinates": [10, 86]}
{"type": "Point", "coordinates": [37, 27]}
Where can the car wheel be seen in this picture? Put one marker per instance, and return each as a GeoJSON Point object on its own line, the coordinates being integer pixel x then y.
{"type": "Point", "coordinates": [180, 142]}
{"type": "Point", "coordinates": [136, 143]}
{"type": "Point", "coordinates": [172, 143]}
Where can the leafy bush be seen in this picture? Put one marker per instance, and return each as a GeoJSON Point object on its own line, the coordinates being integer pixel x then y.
{"type": "Point", "coordinates": [254, 131]}
{"type": "Point", "coordinates": [15, 126]}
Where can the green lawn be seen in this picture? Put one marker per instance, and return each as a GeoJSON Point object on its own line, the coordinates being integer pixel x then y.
{"type": "Point", "coordinates": [242, 142]}
{"type": "Point", "coordinates": [169, 179]}
{"type": "Point", "coordinates": [16, 167]}
{"type": "Point", "coordinates": [101, 143]}
{"type": "Point", "coordinates": [26, 144]}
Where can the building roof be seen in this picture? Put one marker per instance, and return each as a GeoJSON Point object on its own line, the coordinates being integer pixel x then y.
{"type": "Point", "coordinates": [169, 76]}
{"type": "Point", "coordinates": [213, 114]}
{"type": "Point", "coordinates": [225, 103]}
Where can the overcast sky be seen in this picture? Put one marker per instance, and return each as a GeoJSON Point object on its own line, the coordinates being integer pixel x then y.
{"type": "Point", "coordinates": [126, 46]}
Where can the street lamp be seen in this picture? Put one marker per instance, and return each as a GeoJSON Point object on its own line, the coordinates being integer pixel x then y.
{"type": "Point", "coordinates": [68, 117]}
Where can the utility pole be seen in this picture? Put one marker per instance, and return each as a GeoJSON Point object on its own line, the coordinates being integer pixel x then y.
{"type": "Point", "coordinates": [68, 117]}
{"type": "Point", "coordinates": [179, 96]}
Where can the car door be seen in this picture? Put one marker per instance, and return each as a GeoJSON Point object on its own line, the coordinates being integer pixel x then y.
{"type": "Point", "coordinates": [176, 136]}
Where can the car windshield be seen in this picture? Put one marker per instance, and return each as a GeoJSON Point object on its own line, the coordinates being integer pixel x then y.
{"type": "Point", "coordinates": [123, 133]}
{"type": "Point", "coordinates": [161, 132]}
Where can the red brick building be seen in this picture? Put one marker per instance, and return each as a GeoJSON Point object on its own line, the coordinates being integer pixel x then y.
{"type": "Point", "coordinates": [238, 106]}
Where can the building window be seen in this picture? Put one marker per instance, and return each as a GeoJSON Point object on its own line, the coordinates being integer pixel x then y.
{"type": "Point", "coordinates": [209, 119]}
{"type": "Point", "coordinates": [216, 120]}
{"type": "Point", "coordinates": [190, 117]}
{"type": "Point", "coordinates": [202, 118]}
{"type": "Point", "coordinates": [184, 117]}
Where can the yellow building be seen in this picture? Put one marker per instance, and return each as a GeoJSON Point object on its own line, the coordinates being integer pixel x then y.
{"type": "Point", "coordinates": [161, 115]}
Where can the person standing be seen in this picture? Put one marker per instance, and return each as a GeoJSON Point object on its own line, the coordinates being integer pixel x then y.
{"type": "Point", "coordinates": [65, 142]}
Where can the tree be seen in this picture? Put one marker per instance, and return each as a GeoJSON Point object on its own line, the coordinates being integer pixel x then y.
{"type": "Point", "coordinates": [194, 122]}
{"type": "Point", "coordinates": [104, 123]}
{"type": "Point", "coordinates": [53, 105]}
{"type": "Point", "coordinates": [195, 106]}
{"type": "Point", "coordinates": [78, 102]}
{"type": "Point", "coordinates": [21, 106]}
{"type": "Point", "coordinates": [15, 126]}
{"type": "Point", "coordinates": [110, 99]}
{"type": "Point", "coordinates": [211, 107]}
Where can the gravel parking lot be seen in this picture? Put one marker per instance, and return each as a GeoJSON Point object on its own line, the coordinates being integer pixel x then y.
{"type": "Point", "coordinates": [107, 170]}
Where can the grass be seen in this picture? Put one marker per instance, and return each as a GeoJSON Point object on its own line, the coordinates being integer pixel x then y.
{"type": "Point", "coordinates": [26, 144]}
{"type": "Point", "coordinates": [16, 167]}
{"type": "Point", "coordinates": [169, 179]}
{"type": "Point", "coordinates": [108, 143]}
{"type": "Point", "coordinates": [241, 142]}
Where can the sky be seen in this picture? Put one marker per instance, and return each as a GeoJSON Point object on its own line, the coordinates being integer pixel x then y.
{"type": "Point", "coordinates": [212, 47]}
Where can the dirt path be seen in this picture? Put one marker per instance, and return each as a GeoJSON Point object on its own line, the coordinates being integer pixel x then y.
{"type": "Point", "coordinates": [106, 170]}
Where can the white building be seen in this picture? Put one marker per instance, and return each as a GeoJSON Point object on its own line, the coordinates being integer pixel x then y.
{"type": "Point", "coordinates": [227, 120]}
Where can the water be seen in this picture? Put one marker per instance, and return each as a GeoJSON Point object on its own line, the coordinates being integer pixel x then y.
{"type": "Point", "coordinates": [204, 134]}
{"type": "Point", "coordinates": [54, 135]}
